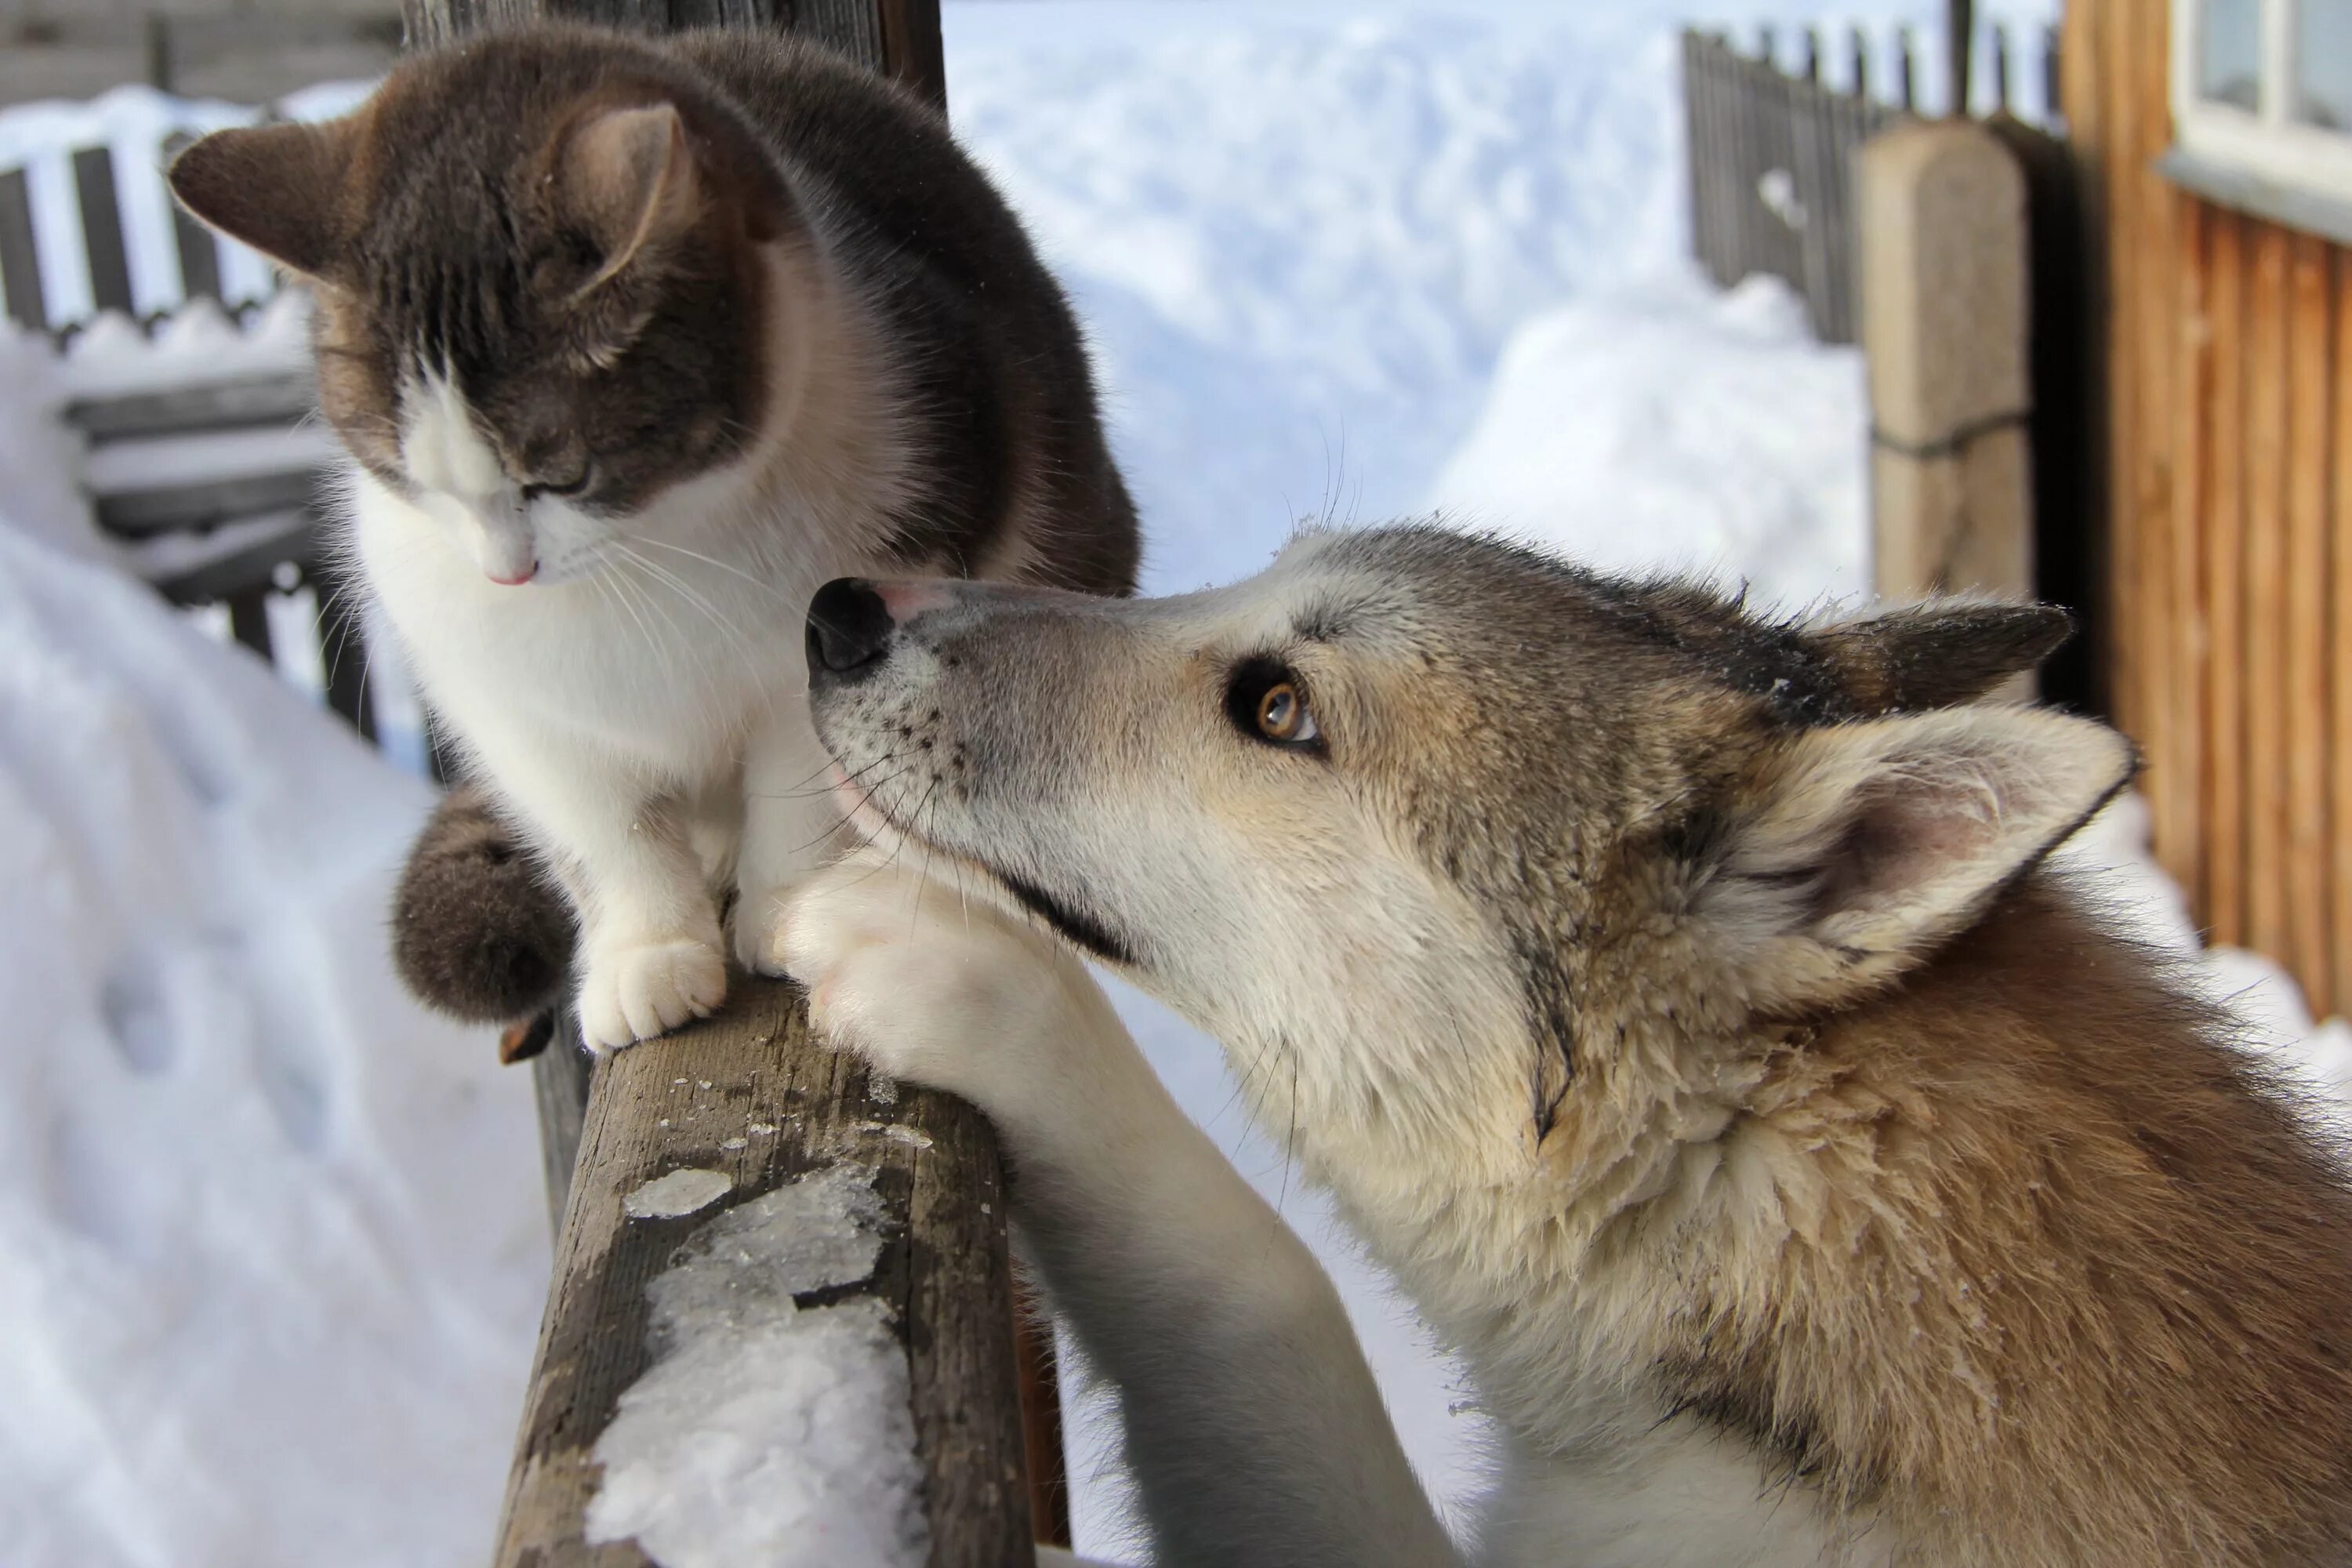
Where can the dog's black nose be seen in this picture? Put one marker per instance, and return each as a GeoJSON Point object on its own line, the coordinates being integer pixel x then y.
{"type": "Point", "coordinates": [848, 627]}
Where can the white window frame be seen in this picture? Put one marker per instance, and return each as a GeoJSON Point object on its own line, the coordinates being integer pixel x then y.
{"type": "Point", "coordinates": [2268, 144]}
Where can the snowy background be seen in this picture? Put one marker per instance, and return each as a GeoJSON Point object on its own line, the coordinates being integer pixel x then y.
{"type": "Point", "coordinates": [272, 1242]}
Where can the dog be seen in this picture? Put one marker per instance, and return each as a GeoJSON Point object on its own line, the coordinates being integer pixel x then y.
{"type": "Point", "coordinates": [1676, 1000]}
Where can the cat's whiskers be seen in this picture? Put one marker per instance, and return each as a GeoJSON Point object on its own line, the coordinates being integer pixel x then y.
{"type": "Point", "coordinates": [768, 588]}
{"type": "Point", "coordinates": [730, 640]}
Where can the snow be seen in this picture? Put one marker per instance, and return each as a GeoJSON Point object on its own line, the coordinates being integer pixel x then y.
{"type": "Point", "coordinates": [271, 1240]}
{"type": "Point", "coordinates": [271, 1243]}
{"type": "Point", "coordinates": [198, 342]}
{"type": "Point", "coordinates": [1602, 437]}
{"type": "Point", "coordinates": [766, 1431]}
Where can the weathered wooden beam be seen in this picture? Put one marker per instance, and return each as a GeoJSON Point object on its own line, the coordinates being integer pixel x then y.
{"type": "Point", "coordinates": [20, 255]}
{"type": "Point", "coordinates": [192, 507]}
{"type": "Point", "coordinates": [748, 1097]}
{"type": "Point", "coordinates": [257, 402]}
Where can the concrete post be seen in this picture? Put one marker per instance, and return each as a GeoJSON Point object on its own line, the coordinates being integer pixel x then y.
{"type": "Point", "coordinates": [1944, 288]}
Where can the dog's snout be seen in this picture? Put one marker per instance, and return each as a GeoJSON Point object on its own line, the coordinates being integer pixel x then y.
{"type": "Point", "coordinates": [848, 628]}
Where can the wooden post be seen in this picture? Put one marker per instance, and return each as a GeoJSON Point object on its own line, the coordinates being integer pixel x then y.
{"type": "Point", "coordinates": [1943, 245]}
{"type": "Point", "coordinates": [749, 1103]}
{"type": "Point", "coordinates": [1959, 52]}
{"type": "Point", "coordinates": [749, 1098]}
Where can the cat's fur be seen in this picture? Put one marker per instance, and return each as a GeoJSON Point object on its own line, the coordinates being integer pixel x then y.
{"type": "Point", "coordinates": [634, 344]}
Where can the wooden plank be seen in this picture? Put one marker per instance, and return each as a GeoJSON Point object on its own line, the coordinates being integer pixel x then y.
{"type": "Point", "coordinates": [1815, 166]}
{"type": "Point", "coordinates": [1723, 160]}
{"type": "Point", "coordinates": [2120, 189]}
{"type": "Point", "coordinates": [264, 400]}
{"type": "Point", "coordinates": [559, 1079]}
{"type": "Point", "coordinates": [1695, 146]}
{"type": "Point", "coordinates": [2223, 903]}
{"type": "Point", "coordinates": [165, 509]}
{"type": "Point", "coordinates": [252, 566]}
{"type": "Point", "coordinates": [2264, 671]}
{"type": "Point", "coordinates": [101, 230]}
{"type": "Point", "coordinates": [945, 1269]}
{"type": "Point", "coordinates": [2155, 324]}
{"type": "Point", "coordinates": [2339, 634]}
{"type": "Point", "coordinates": [2310, 470]}
{"type": "Point", "coordinates": [248, 618]}
{"type": "Point", "coordinates": [912, 48]}
{"type": "Point", "coordinates": [2193, 662]}
{"type": "Point", "coordinates": [20, 255]}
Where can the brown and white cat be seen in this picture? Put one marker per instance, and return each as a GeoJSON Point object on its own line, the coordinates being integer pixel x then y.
{"type": "Point", "coordinates": [634, 344]}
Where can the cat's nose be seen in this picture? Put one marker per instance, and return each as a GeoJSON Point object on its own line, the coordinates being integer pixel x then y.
{"type": "Point", "coordinates": [848, 628]}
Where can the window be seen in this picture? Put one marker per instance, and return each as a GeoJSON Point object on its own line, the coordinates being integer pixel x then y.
{"type": "Point", "coordinates": [2262, 92]}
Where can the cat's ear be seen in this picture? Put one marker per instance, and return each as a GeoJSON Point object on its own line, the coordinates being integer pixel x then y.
{"type": "Point", "coordinates": [630, 179]}
{"type": "Point", "coordinates": [1856, 848]}
{"type": "Point", "coordinates": [278, 188]}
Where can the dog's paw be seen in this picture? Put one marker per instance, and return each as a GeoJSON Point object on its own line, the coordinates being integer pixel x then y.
{"type": "Point", "coordinates": [759, 926]}
{"type": "Point", "coordinates": [634, 991]}
{"type": "Point", "coordinates": [941, 991]}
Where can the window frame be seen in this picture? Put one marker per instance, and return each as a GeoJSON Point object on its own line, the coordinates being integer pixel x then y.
{"type": "Point", "coordinates": [2267, 145]}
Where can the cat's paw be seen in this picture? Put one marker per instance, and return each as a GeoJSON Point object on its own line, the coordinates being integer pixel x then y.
{"type": "Point", "coordinates": [634, 991]}
{"type": "Point", "coordinates": [954, 995]}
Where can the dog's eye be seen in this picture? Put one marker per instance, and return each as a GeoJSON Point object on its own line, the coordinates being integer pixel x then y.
{"type": "Point", "coordinates": [1282, 715]}
{"type": "Point", "coordinates": [1266, 703]}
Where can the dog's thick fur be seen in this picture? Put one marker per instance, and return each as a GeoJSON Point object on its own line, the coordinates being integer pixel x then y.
{"type": "Point", "coordinates": [1677, 1004]}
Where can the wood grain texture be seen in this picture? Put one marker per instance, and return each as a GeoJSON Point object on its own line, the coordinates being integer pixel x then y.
{"type": "Point", "coordinates": [2305, 679]}
{"type": "Point", "coordinates": [101, 230]}
{"type": "Point", "coordinates": [2340, 638]}
{"type": "Point", "coordinates": [2223, 529]}
{"type": "Point", "coordinates": [2111, 67]}
{"type": "Point", "coordinates": [749, 1095]}
{"type": "Point", "coordinates": [2230, 660]}
{"type": "Point", "coordinates": [2264, 587]}
{"type": "Point", "coordinates": [2180, 775]}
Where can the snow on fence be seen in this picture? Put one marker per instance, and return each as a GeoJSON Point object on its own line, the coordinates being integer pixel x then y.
{"type": "Point", "coordinates": [194, 402]}
{"type": "Point", "coordinates": [1770, 147]}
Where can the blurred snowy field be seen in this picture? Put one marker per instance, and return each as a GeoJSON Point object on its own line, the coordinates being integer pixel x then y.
{"type": "Point", "coordinates": [271, 1241]}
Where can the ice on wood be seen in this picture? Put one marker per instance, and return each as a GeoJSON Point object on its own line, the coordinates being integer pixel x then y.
{"type": "Point", "coordinates": [767, 1431]}
{"type": "Point", "coordinates": [682, 1192]}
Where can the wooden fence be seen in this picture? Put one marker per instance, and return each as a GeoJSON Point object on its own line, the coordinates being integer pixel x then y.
{"type": "Point", "coordinates": [1770, 144]}
{"type": "Point", "coordinates": [253, 532]}
{"type": "Point", "coordinates": [2228, 552]}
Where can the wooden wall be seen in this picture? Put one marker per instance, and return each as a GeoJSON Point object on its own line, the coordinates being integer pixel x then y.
{"type": "Point", "coordinates": [2228, 646]}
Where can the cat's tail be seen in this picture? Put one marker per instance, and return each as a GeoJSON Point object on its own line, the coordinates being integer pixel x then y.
{"type": "Point", "coordinates": [480, 930]}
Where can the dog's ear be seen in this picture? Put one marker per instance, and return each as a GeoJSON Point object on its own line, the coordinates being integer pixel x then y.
{"type": "Point", "coordinates": [1937, 653]}
{"type": "Point", "coordinates": [1853, 849]}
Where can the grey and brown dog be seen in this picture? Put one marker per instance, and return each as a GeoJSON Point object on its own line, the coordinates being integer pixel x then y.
{"type": "Point", "coordinates": [1676, 1001]}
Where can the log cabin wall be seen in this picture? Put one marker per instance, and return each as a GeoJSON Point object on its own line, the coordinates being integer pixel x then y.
{"type": "Point", "coordinates": [2227, 641]}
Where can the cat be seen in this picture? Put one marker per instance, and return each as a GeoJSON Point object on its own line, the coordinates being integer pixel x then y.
{"type": "Point", "coordinates": [634, 343]}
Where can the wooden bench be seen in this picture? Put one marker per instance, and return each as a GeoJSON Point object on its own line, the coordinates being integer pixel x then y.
{"type": "Point", "coordinates": [249, 526]}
